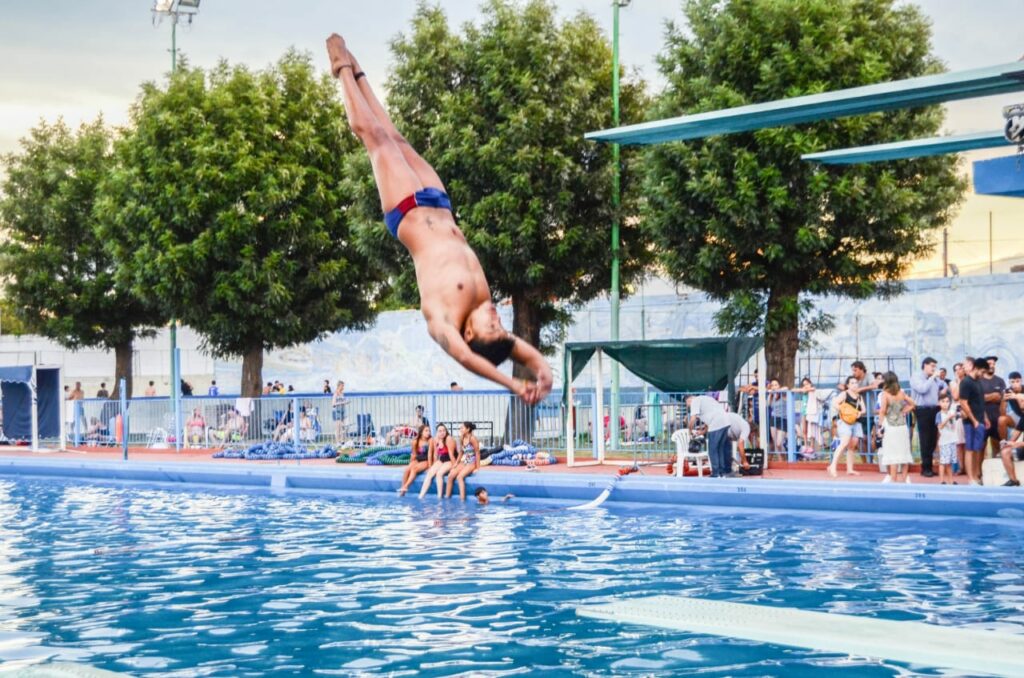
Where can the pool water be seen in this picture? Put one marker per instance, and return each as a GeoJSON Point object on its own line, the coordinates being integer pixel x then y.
{"type": "Point", "coordinates": [170, 582]}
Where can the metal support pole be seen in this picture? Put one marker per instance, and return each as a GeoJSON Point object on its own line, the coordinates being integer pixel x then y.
{"type": "Point", "coordinates": [35, 410]}
{"type": "Point", "coordinates": [764, 432]}
{"type": "Point", "coordinates": [296, 423]}
{"type": "Point", "coordinates": [790, 426]}
{"type": "Point", "coordinates": [176, 397]}
{"type": "Point", "coordinates": [616, 205]}
{"type": "Point", "coordinates": [123, 389]}
{"type": "Point", "coordinates": [570, 411]}
{"type": "Point", "coordinates": [599, 385]}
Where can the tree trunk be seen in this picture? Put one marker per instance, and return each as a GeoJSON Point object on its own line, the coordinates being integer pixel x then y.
{"type": "Point", "coordinates": [782, 337]}
{"type": "Point", "coordinates": [122, 369]}
{"type": "Point", "coordinates": [526, 326]}
{"type": "Point", "coordinates": [252, 372]}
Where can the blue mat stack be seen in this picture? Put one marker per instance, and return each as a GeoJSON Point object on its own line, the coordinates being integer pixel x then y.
{"type": "Point", "coordinates": [517, 454]}
{"type": "Point", "coordinates": [274, 451]}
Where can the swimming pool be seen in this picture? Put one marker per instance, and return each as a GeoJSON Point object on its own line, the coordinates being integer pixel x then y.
{"type": "Point", "coordinates": [172, 582]}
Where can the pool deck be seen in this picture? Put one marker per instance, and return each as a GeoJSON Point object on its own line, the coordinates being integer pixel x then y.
{"type": "Point", "coordinates": [781, 488]}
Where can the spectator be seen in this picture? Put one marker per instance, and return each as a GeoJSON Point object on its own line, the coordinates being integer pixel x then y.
{"type": "Point", "coordinates": [894, 405]}
{"type": "Point", "coordinates": [739, 433]}
{"type": "Point", "coordinates": [945, 421]}
{"type": "Point", "coordinates": [420, 458]}
{"type": "Point", "coordinates": [291, 389]}
{"type": "Point", "coordinates": [712, 414]}
{"type": "Point", "coordinates": [283, 425]}
{"type": "Point", "coordinates": [926, 387]}
{"type": "Point", "coordinates": [753, 409]}
{"type": "Point", "coordinates": [469, 460]}
{"type": "Point", "coordinates": [455, 386]}
{"type": "Point", "coordinates": [77, 393]}
{"type": "Point", "coordinates": [972, 408]}
{"type": "Point", "coordinates": [268, 389]}
{"type": "Point", "coordinates": [408, 430]}
{"type": "Point", "coordinates": [865, 383]}
{"type": "Point", "coordinates": [849, 428]}
{"type": "Point", "coordinates": [103, 393]}
{"type": "Point", "coordinates": [338, 403]}
{"type": "Point", "coordinates": [445, 455]}
{"type": "Point", "coordinates": [1012, 415]}
{"type": "Point", "coordinates": [150, 390]}
{"type": "Point", "coordinates": [327, 387]}
{"type": "Point", "coordinates": [942, 375]}
{"type": "Point", "coordinates": [186, 389]}
{"type": "Point", "coordinates": [993, 387]}
{"type": "Point", "coordinates": [959, 372]}
{"type": "Point", "coordinates": [213, 390]}
{"type": "Point", "coordinates": [811, 410]}
{"type": "Point", "coordinates": [1013, 450]}
{"type": "Point", "coordinates": [778, 426]}
{"type": "Point", "coordinates": [97, 431]}
{"type": "Point", "coordinates": [195, 427]}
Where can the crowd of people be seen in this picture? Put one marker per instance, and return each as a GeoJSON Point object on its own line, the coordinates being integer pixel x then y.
{"type": "Point", "coordinates": [958, 420]}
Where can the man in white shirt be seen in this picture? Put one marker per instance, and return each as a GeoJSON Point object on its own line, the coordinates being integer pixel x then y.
{"type": "Point", "coordinates": [715, 418]}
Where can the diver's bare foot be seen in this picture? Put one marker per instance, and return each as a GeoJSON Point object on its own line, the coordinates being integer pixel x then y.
{"type": "Point", "coordinates": [338, 54]}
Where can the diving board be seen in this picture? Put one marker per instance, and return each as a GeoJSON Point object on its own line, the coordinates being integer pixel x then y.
{"type": "Point", "coordinates": [964, 649]}
{"type": "Point", "coordinates": [920, 91]}
{"type": "Point", "coordinates": [913, 148]}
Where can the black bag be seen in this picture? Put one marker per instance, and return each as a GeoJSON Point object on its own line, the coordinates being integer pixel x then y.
{"type": "Point", "coordinates": [755, 457]}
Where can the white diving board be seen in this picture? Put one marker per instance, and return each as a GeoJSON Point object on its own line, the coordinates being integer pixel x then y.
{"type": "Point", "coordinates": [964, 649]}
{"type": "Point", "coordinates": [913, 148]}
{"type": "Point", "coordinates": [921, 91]}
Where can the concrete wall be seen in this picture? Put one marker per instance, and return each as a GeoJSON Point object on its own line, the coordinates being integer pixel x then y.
{"type": "Point", "coordinates": [944, 318]}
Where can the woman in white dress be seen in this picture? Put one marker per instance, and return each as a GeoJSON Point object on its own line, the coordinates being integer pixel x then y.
{"type": "Point", "coordinates": [893, 407]}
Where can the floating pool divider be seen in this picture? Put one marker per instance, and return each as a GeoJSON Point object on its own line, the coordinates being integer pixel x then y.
{"type": "Point", "coordinates": [964, 649]}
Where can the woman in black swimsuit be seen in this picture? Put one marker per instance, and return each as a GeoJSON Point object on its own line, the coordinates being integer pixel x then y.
{"type": "Point", "coordinates": [419, 459]}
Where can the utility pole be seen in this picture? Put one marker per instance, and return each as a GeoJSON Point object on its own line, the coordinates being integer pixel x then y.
{"type": "Point", "coordinates": [990, 242]}
{"type": "Point", "coordinates": [945, 252]}
{"type": "Point", "coordinates": [613, 420]}
{"type": "Point", "coordinates": [175, 10]}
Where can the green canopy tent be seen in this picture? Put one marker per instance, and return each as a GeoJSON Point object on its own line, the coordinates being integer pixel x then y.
{"type": "Point", "coordinates": [671, 365]}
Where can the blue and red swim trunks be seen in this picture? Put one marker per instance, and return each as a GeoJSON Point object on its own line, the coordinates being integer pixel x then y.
{"type": "Point", "coordinates": [428, 197]}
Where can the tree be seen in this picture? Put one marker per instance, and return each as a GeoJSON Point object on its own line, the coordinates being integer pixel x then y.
{"type": "Point", "coordinates": [500, 111]}
{"type": "Point", "coordinates": [61, 279]}
{"type": "Point", "coordinates": [741, 217]}
{"type": "Point", "coordinates": [228, 209]}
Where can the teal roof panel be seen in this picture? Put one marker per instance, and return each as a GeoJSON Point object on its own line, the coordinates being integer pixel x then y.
{"type": "Point", "coordinates": [928, 89]}
{"type": "Point", "coordinates": [913, 148]}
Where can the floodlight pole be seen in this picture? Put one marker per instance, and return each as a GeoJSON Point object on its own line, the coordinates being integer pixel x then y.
{"type": "Point", "coordinates": [616, 204]}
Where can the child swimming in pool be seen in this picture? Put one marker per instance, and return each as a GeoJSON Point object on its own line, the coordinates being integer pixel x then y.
{"type": "Point", "coordinates": [460, 314]}
{"type": "Point", "coordinates": [483, 498]}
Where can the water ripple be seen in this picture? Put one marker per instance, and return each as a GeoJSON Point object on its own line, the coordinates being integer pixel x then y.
{"type": "Point", "coordinates": [165, 582]}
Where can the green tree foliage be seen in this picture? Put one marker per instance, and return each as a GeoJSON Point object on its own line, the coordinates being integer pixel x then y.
{"type": "Point", "coordinates": [500, 111]}
{"type": "Point", "coordinates": [228, 209]}
{"type": "Point", "coordinates": [61, 280]}
{"type": "Point", "coordinates": [741, 216]}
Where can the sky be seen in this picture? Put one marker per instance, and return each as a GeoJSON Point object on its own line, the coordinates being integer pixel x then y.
{"type": "Point", "coordinates": [79, 59]}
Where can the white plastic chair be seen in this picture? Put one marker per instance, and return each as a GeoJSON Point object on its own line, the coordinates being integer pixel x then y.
{"type": "Point", "coordinates": [699, 459]}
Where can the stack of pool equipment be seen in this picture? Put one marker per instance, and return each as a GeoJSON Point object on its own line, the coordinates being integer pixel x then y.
{"type": "Point", "coordinates": [274, 451]}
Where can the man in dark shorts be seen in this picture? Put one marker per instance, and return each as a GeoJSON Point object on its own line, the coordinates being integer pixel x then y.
{"type": "Point", "coordinates": [993, 387]}
{"type": "Point", "coordinates": [972, 408]}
